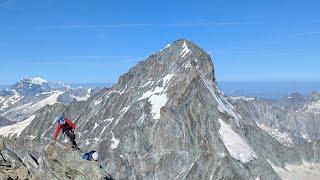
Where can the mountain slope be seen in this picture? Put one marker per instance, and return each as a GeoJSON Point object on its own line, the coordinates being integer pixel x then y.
{"type": "Point", "coordinates": [293, 120]}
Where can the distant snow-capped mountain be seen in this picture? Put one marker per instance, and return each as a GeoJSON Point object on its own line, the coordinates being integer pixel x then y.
{"type": "Point", "coordinates": [25, 97]}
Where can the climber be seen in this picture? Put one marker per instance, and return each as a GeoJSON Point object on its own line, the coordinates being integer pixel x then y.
{"type": "Point", "coordinates": [91, 156]}
{"type": "Point", "coordinates": [68, 128]}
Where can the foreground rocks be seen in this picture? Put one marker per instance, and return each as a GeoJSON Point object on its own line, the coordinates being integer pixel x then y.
{"type": "Point", "coordinates": [54, 162]}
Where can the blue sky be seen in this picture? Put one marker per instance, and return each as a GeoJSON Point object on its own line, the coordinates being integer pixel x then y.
{"type": "Point", "coordinates": [94, 41]}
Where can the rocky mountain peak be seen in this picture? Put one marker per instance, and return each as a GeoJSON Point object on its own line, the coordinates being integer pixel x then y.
{"type": "Point", "coordinates": [31, 86]}
{"type": "Point", "coordinates": [189, 55]}
{"type": "Point", "coordinates": [180, 58]}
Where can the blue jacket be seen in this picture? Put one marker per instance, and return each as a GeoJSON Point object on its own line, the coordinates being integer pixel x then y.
{"type": "Point", "coordinates": [88, 155]}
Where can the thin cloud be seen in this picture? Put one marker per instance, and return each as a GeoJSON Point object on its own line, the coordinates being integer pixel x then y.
{"type": "Point", "coordinates": [89, 60]}
{"type": "Point", "coordinates": [95, 26]}
{"type": "Point", "coordinates": [136, 25]}
{"type": "Point", "coordinates": [9, 5]}
{"type": "Point", "coordinates": [4, 4]}
{"type": "Point", "coordinates": [308, 33]}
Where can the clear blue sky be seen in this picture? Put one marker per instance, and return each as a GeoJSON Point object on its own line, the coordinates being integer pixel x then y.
{"type": "Point", "coordinates": [92, 41]}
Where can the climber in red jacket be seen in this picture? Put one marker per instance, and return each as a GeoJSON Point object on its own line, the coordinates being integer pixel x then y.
{"type": "Point", "coordinates": [68, 128]}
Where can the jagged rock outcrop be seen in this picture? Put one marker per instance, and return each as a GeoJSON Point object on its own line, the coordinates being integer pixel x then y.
{"type": "Point", "coordinates": [55, 161]}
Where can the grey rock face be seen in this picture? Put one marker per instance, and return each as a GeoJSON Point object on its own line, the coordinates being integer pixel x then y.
{"type": "Point", "coordinates": [5, 121]}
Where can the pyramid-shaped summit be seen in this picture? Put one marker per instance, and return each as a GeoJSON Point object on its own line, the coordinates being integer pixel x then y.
{"type": "Point", "coordinates": [180, 57]}
{"type": "Point", "coordinates": [165, 119]}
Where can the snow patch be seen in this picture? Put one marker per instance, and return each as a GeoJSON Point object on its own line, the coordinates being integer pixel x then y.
{"type": "Point", "coordinates": [157, 98]}
{"type": "Point", "coordinates": [97, 102]}
{"type": "Point", "coordinates": [168, 45]}
{"type": "Point", "coordinates": [223, 105]}
{"type": "Point", "coordinates": [242, 98]}
{"type": "Point", "coordinates": [31, 137]}
{"type": "Point", "coordinates": [236, 145]}
{"type": "Point", "coordinates": [185, 50]}
{"type": "Point", "coordinates": [187, 65]}
{"type": "Point", "coordinates": [109, 120]}
{"type": "Point", "coordinates": [166, 79]}
{"type": "Point", "coordinates": [104, 128]}
{"type": "Point", "coordinates": [16, 128]}
{"type": "Point", "coordinates": [95, 126]}
{"type": "Point", "coordinates": [115, 142]}
{"type": "Point", "coordinates": [147, 94]}
{"type": "Point", "coordinates": [38, 80]}
{"type": "Point", "coordinates": [157, 102]}
{"type": "Point", "coordinates": [51, 100]}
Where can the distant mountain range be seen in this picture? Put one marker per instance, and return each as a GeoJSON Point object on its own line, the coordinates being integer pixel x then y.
{"type": "Point", "coordinates": [268, 90]}
{"type": "Point", "coordinates": [261, 90]}
{"type": "Point", "coordinates": [22, 99]}
{"type": "Point", "coordinates": [74, 85]}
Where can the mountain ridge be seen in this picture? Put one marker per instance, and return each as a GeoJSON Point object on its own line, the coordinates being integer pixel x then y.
{"type": "Point", "coordinates": [166, 118]}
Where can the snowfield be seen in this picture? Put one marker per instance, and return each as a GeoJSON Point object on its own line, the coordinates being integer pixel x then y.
{"type": "Point", "coordinates": [237, 147]}
{"type": "Point", "coordinates": [11, 130]}
{"type": "Point", "coordinates": [157, 97]}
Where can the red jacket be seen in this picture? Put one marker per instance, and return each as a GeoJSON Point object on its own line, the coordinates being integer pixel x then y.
{"type": "Point", "coordinates": [69, 124]}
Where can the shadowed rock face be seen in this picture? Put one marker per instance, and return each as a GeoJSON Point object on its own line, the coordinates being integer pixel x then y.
{"type": "Point", "coordinates": [167, 119]}
{"type": "Point", "coordinates": [5, 121]}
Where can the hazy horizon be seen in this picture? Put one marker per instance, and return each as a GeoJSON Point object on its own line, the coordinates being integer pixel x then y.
{"type": "Point", "coordinates": [267, 89]}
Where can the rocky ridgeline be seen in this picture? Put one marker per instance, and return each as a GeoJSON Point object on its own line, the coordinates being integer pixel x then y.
{"type": "Point", "coordinates": [293, 120]}
{"type": "Point", "coordinates": [166, 118]}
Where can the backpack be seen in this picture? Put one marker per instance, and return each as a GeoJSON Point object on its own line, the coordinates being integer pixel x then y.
{"type": "Point", "coordinates": [88, 155]}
